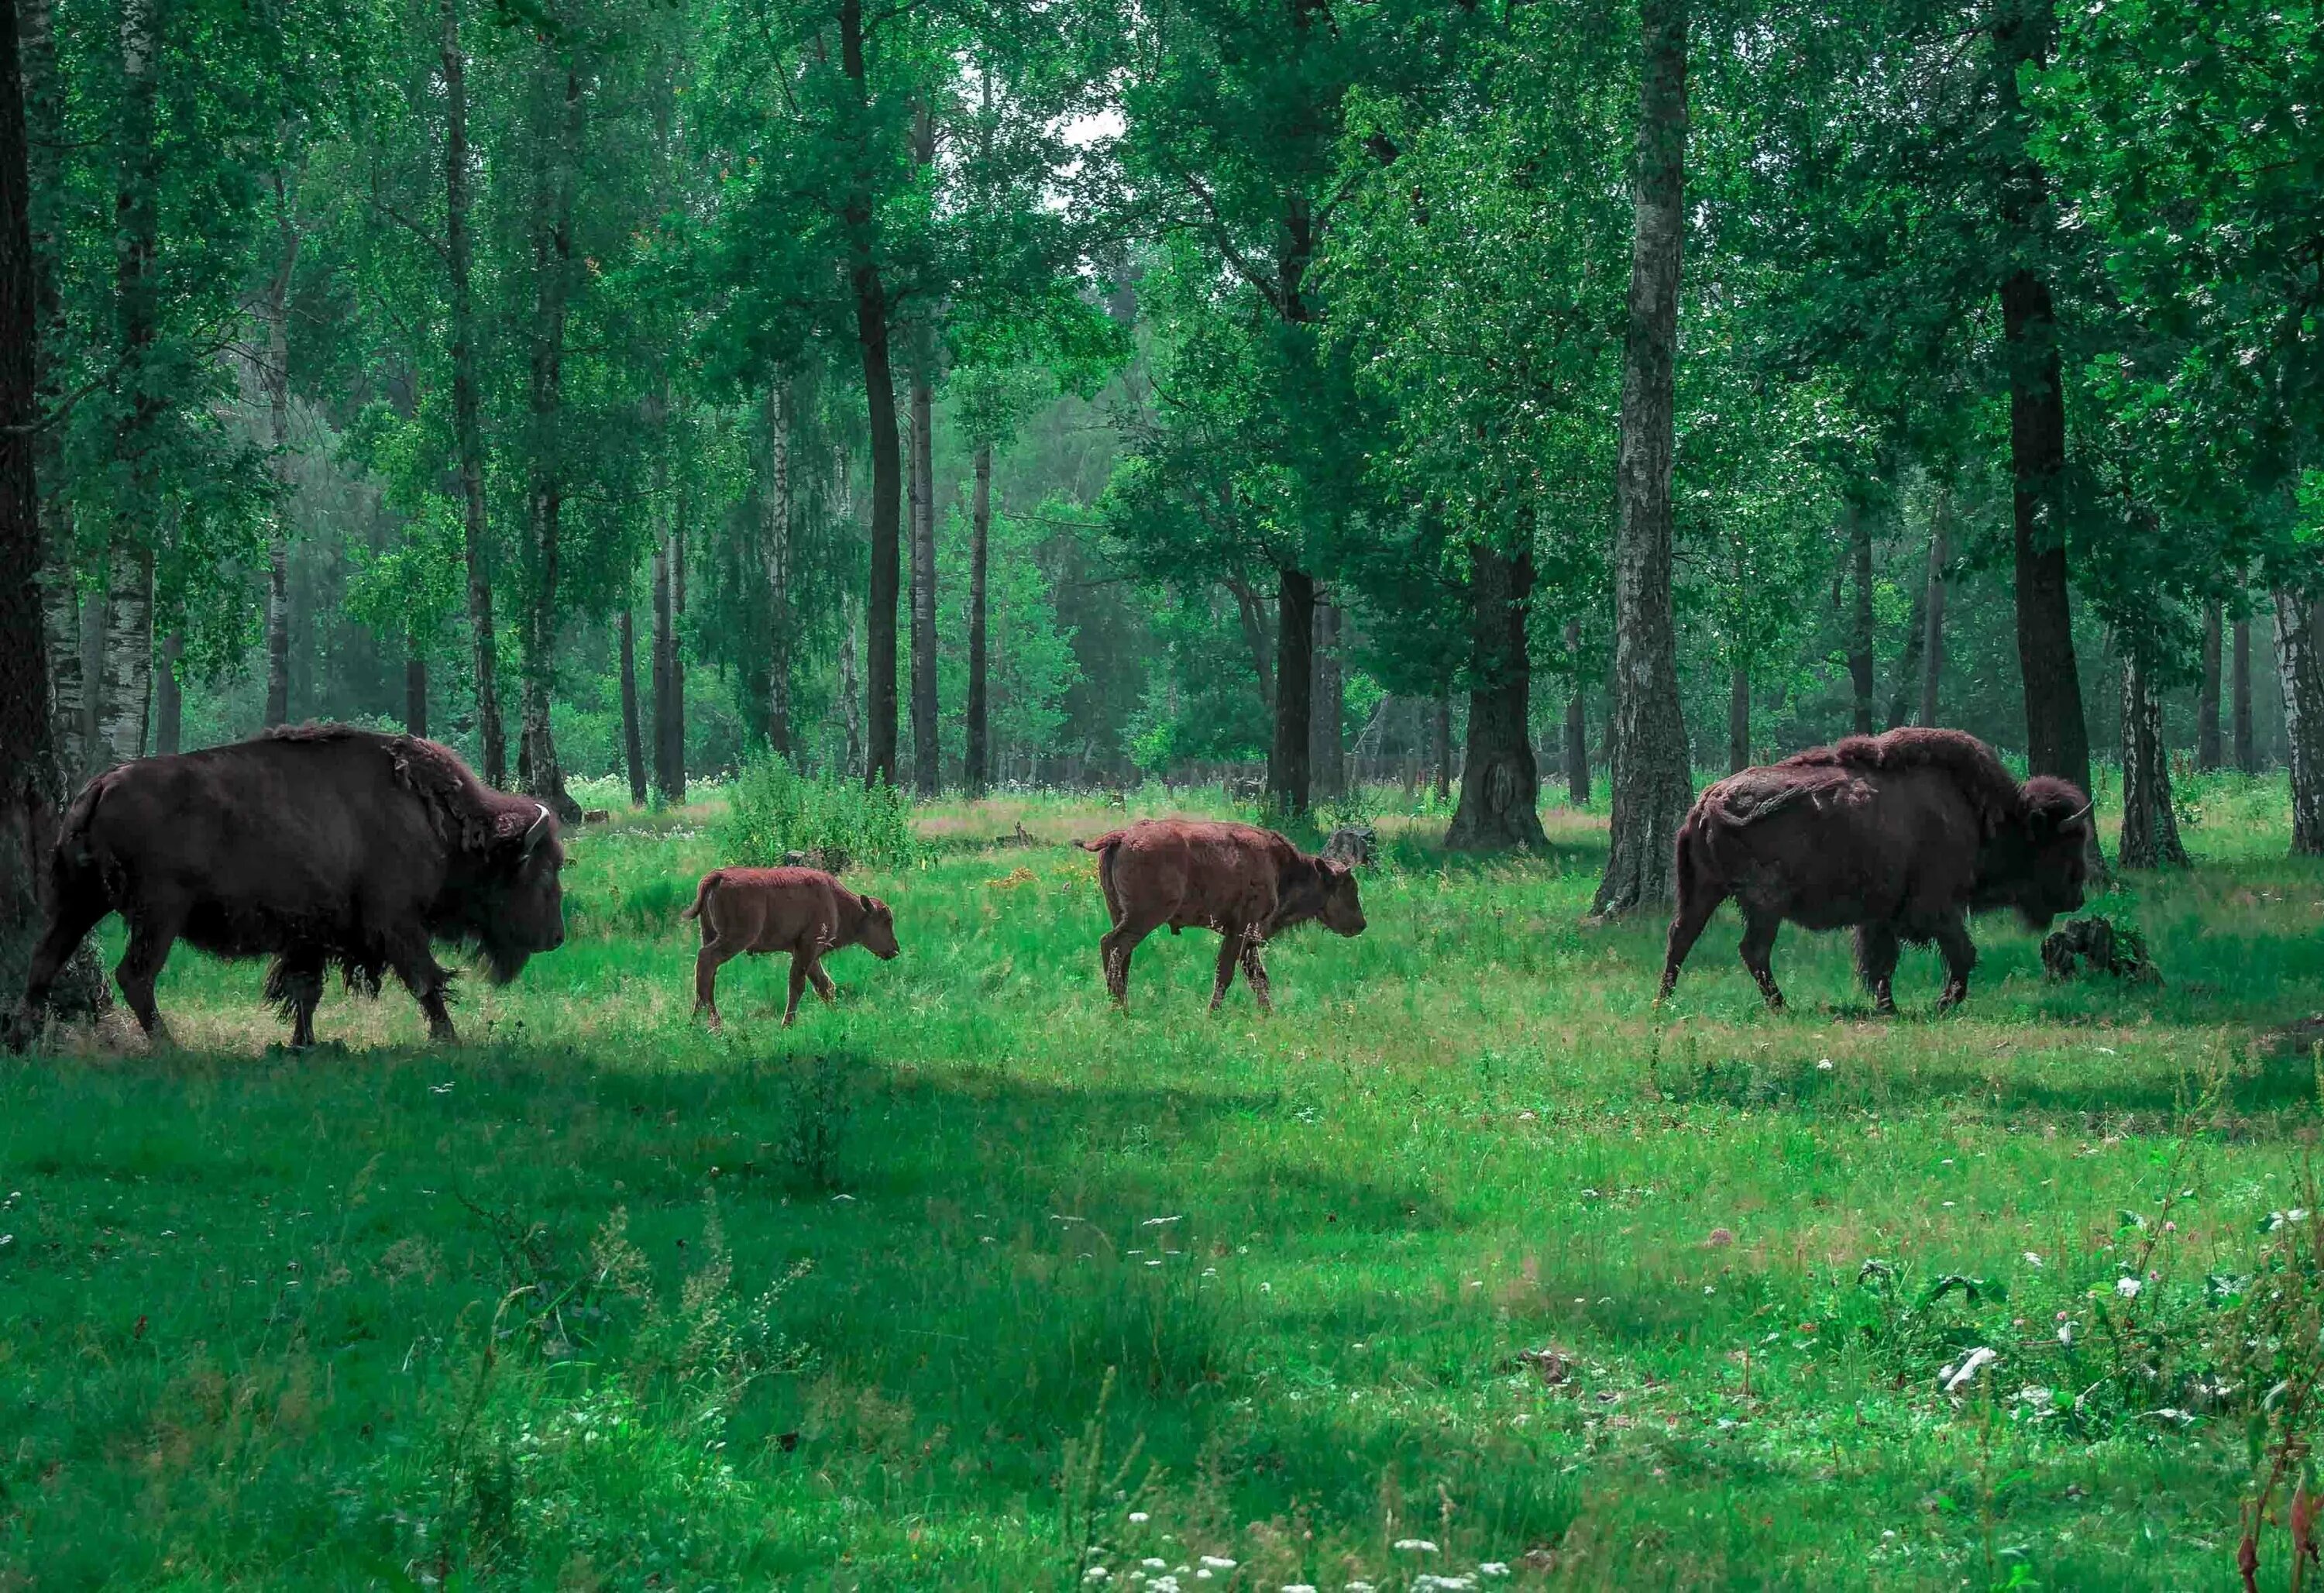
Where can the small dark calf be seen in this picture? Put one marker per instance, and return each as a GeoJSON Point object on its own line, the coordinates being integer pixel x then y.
{"type": "Point", "coordinates": [802, 910]}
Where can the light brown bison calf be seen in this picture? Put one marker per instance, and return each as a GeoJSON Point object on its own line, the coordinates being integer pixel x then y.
{"type": "Point", "coordinates": [802, 910]}
{"type": "Point", "coordinates": [1247, 884]}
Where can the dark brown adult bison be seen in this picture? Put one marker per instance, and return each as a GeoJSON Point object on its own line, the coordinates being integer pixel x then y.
{"type": "Point", "coordinates": [1249, 884]}
{"type": "Point", "coordinates": [316, 846]}
{"type": "Point", "coordinates": [1900, 836]}
{"type": "Point", "coordinates": [802, 910]}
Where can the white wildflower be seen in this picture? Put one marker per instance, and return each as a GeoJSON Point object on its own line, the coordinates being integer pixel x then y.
{"type": "Point", "coordinates": [1823, 1064]}
{"type": "Point", "coordinates": [2031, 1259]}
{"type": "Point", "coordinates": [1096, 1573]}
{"type": "Point", "coordinates": [1416, 1546]}
{"type": "Point", "coordinates": [1139, 1518]}
{"type": "Point", "coordinates": [1218, 1562]}
{"type": "Point", "coordinates": [1150, 1563]}
{"type": "Point", "coordinates": [2128, 1288]}
{"type": "Point", "coordinates": [2066, 1334]}
{"type": "Point", "coordinates": [1956, 1378]}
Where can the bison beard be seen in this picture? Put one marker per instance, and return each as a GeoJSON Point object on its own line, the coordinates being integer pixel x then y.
{"type": "Point", "coordinates": [316, 846]}
{"type": "Point", "coordinates": [1900, 836]}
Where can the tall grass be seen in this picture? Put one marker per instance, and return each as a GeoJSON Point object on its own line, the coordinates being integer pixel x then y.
{"type": "Point", "coordinates": [772, 810]}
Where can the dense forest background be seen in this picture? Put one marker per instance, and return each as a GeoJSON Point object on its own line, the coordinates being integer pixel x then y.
{"type": "Point", "coordinates": [964, 393]}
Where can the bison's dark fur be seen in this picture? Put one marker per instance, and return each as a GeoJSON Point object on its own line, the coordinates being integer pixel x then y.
{"type": "Point", "coordinates": [315, 846]}
{"type": "Point", "coordinates": [1247, 884]}
{"type": "Point", "coordinates": [1899, 837]}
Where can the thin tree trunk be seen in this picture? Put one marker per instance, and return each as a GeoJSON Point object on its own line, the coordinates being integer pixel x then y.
{"type": "Point", "coordinates": [2303, 718]}
{"type": "Point", "coordinates": [1577, 723]}
{"type": "Point", "coordinates": [1288, 771]}
{"type": "Point", "coordinates": [44, 112]}
{"type": "Point", "coordinates": [93, 611]}
{"type": "Point", "coordinates": [274, 376]}
{"type": "Point", "coordinates": [1445, 748]}
{"type": "Point", "coordinates": [2057, 741]}
{"type": "Point", "coordinates": [1327, 755]}
{"type": "Point", "coordinates": [633, 744]}
{"type": "Point", "coordinates": [2240, 680]}
{"type": "Point", "coordinates": [539, 774]}
{"type": "Point", "coordinates": [669, 724]}
{"type": "Point", "coordinates": [168, 701]}
{"type": "Point", "coordinates": [1932, 618]}
{"type": "Point", "coordinates": [415, 690]}
{"type": "Point", "coordinates": [1253, 619]}
{"type": "Point", "coordinates": [1738, 719]}
{"type": "Point", "coordinates": [1500, 786]}
{"type": "Point", "coordinates": [1860, 635]}
{"type": "Point", "coordinates": [980, 756]}
{"type": "Point", "coordinates": [1652, 784]}
{"type": "Point", "coordinates": [850, 696]}
{"type": "Point", "coordinates": [872, 336]}
{"type": "Point", "coordinates": [467, 429]}
{"type": "Point", "coordinates": [775, 543]}
{"type": "Point", "coordinates": [2207, 702]}
{"type": "Point", "coordinates": [2150, 826]}
{"type": "Point", "coordinates": [128, 656]}
{"type": "Point", "coordinates": [927, 755]}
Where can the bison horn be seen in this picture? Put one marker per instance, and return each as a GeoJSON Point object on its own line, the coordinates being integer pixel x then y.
{"type": "Point", "coordinates": [2081, 812]}
{"type": "Point", "coordinates": [537, 832]}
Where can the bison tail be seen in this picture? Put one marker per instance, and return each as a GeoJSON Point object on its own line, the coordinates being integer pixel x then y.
{"type": "Point", "coordinates": [1102, 843]}
{"type": "Point", "coordinates": [710, 882]}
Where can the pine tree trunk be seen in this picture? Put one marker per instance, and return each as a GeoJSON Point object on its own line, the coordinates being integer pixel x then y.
{"type": "Point", "coordinates": [1652, 784]}
{"type": "Point", "coordinates": [979, 755]}
{"type": "Point", "coordinates": [2150, 825]}
{"type": "Point", "coordinates": [1500, 786]}
{"type": "Point", "coordinates": [633, 746]}
{"type": "Point", "coordinates": [2303, 718]}
{"type": "Point", "coordinates": [415, 690]}
{"type": "Point", "coordinates": [872, 336]}
{"type": "Point", "coordinates": [1738, 719]}
{"type": "Point", "coordinates": [775, 543]}
{"type": "Point", "coordinates": [128, 655]}
{"type": "Point", "coordinates": [927, 755]}
{"type": "Point", "coordinates": [1443, 749]}
{"type": "Point", "coordinates": [1327, 754]}
{"type": "Point", "coordinates": [1577, 724]}
{"type": "Point", "coordinates": [168, 702]}
{"type": "Point", "coordinates": [2240, 678]}
{"type": "Point", "coordinates": [274, 376]}
{"type": "Point", "coordinates": [2207, 702]}
{"type": "Point", "coordinates": [2057, 741]}
{"type": "Point", "coordinates": [1860, 635]}
{"type": "Point", "coordinates": [538, 774]}
{"type": "Point", "coordinates": [1932, 618]}
{"type": "Point", "coordinates": [467, 429]}
{"type": "Point", "coordinates": [1288, 771]}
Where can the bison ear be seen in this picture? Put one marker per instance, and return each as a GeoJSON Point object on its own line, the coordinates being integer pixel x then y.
{"type": "Point", "coordinates": [1331, 870]}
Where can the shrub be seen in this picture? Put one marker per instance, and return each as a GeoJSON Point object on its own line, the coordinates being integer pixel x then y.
{"type": "Point", "coordinates": [772, 808]}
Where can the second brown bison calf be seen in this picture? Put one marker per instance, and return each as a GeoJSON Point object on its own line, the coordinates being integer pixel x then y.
{"type": "Point", "coordinates": [1249, 884]}
{"type": "Point", "coordinates": [802, 910]}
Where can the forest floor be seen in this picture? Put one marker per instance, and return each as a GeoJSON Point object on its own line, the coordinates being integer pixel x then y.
{"type": "Point", "coordinates": [1467, 1258]}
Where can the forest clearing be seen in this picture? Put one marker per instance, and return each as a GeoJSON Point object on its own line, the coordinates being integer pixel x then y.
{"type": "Point", "coordinates": [968, 1280]}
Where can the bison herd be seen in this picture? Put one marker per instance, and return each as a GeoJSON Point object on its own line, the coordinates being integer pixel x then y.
{"type": "Point", "coordinates": [328, 845]}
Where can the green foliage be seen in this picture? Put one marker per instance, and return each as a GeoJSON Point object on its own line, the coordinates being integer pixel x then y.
{"type": "Point", "coordinates": [772, 808]}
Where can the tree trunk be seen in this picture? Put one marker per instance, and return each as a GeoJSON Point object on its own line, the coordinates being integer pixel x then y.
{"type": "Point", "coordinates": [415, 690]}
{"type": "Point", "coordinates": [980, 756]}
{"type": "Point", "coordinates": [1652, 784]}
{"type": "Point", "coordinates": [539, 774]}
{"type": "Point", "coordinates": [1577, 724]}
{"type": "Point", "coordinates": [467, 429]}
{"type": "Point", "coordinates": [2240, 698]}
{"type": "Point", "coordinates": [168, 701]}
{"type": "Point", "coordinates": [1738, 719]}
{"type": "Point", "coordinates": [850, 696]}
{"type": "Point", "coordinates": [1327, 754]}
{"type": "Point", "coordinates": [274, 376]}
{"type": "Point", "coordinates": [775, 548]}
{"type": "Point", "coordinates": [872, 336]}
{"type": "Point", "coordinates": [634, 743]}
{"type": "Point", "coordinates": [927, 753]}
{"type": "Point", "coordinates": [1932, 617]}
{"type": "Point", "coordinates": [44, 120]}
{"type": "Point", "coordinates": [2057, 742]}
{"type": "Point", "coordinates": [2303, 718]}
{"type": "Point", "coordinates": [2150, 826]}
{"type": "Point", "coordinates": [1501, 786]}
{"type": "Point", "coordinates": [128, 656]}
{"type": "Point", "coordinates": [1860, 634]}
{"type": "Point", "coordinates": [2207, 701]}
{"type": "Point", "coordinates": [1294, 639]}
{"type": "Point", "coordinates": [1444, 750]}
{"type": "Point", "coordinates": [93, 610]}
{"type": "Point", "coordinates": [1254, 636]}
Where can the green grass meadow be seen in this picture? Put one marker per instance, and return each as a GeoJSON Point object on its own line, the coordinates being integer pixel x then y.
{"type": "Point", "coordinates": [969, 1282]}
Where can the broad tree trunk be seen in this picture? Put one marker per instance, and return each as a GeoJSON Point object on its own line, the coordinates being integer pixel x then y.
{"type": "Point", "coordinates": [1288, 771]}
{"type": "Point", "coordinates": [1932, 618]}
{"type": "Point", "coordinates": [2303, 718]}
{"type": "Point", "coordinates": [872, 336]}
{"type": "Point", "coordinates": [2240, 680]}
{"type": "Point", "coordinates": [1577, 723]}
{"type": "Point", "coordinates": [634, 743]}
{"type": "Point", "coordinates": [538, 774]}
{"type": "Point", "coordinates": [93, 610]}
{"type": "Point", "coordinates": [2057, 741]}
{"type": "Point", "coordinates": [168, 701]}
{"type": "Point", "coordinates": [467, 429]}
{"type": "Point", "coordinates": [1327, 753]}
{"type": "Point", "coordinates": [415, 690]}
{"type": "Point", "coordinates": [1500, 786]}
{"type": "Point", "coordinates": [1444, 750]}
{"type": "Point", "coordinates": [2150, 826]}
{"type": "Point", "coordinates": [774, 550]}
{"type": "Point", "coordinates": [1738, 719]}
{"type": "Point", "coordinates": [274, 376]}
{"type": "Point", "coordinates": [2207, 702]}
{"type": "Point", "coordinates": [979, 755]}
{"type": "Point", "coordinates": [1860, 635]}
{"type": "Point", "coordinates": [1652, 785]}
{"type": "Point", "coordinates": [926, 755]}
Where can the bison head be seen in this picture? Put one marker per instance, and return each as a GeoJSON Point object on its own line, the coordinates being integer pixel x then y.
{"type": "Point", "coordinates": [2039, 867]}
{"type": "Point", "coordinates": [879, 935]}
{"type": "Point", "coordinates": [1342, 909]}
{"type": "Point", "coordinates": [522, 905]}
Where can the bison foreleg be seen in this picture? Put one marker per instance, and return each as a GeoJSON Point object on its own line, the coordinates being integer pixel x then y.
{"type": "Point", "coordinates": [75, 915]}
{"type": "Point", "coordinates": [1254, 971]}
{"type": "Point", "coordinates": [1758, 945]}
{"type": "Point", "coordinates": [1876, 962]}
{"type": "Point", "coordinates": [800, 962]}
{"type": "Point", "coordinates": [1959, 953]}
{"type": "Point", "coordinates": [421, 975]}
{"type": "Point", "coordinates": [820, 980]}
